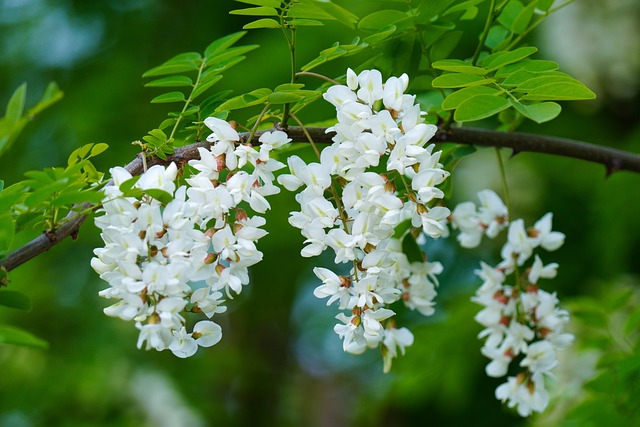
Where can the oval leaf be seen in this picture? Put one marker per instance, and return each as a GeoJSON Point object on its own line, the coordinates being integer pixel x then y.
{"type": "Point", "coordinates": [454, 100]}
{"type": "Point", "coordinates": [459, 80]}
{"type": "Point", "coordinates": [458, 66]}
{"type": "Point", "coordinates": [262, 23]}
{"type": "Point", "coordinates": [171, 81]}
{"type": "Point", "coordinates": [561, 91]}
{"type": "Point", "coordinates": [168, 97]}
{"type": "Point", "coordinates": [500, 59]}
{"type": "Point", "coordinates": [480, 107]}
{"type": "Point", "coordinates": [11, 335]}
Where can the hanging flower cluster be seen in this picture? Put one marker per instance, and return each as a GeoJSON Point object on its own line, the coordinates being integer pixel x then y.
{"type": "Point", "coordinates": [373, 186]}
{"type": "Point", "coordinates": [523, 324]}
{"type": "Point", "coordinates": [169, 251]}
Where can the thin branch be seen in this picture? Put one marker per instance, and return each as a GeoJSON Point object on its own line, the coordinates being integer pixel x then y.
{"type": "Point", "coordinates": [614, 160]}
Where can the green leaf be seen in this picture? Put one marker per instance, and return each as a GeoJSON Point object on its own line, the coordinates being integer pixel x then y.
{"type": "Point", "coordinates": [262, 23]}
{"type": "Point", "coordinates": [496, 36]}
{"type": "Point", "coordinates": [271, 3]}
{"type": "Point", "coordinates": [510, 13]}
{"type": "Point", "coordinates": [539, 112]}
{"type": "Point", "coordinates": [401, 229]}
{"type": "Point", "coordinates": [99, 148]}
{"type": "Point", "coordinates": [381, 19]}
{"type": "Point", "coordinates": [341, 14]}
{"type": "Point", "coordinates": [202, 87]}
{"type": "Point", "coordinates": [308, 10]}
{"type": "Point", "coordinates": [301, 22]}
{"type": "Point", "coordinates": [518, 77]}
{"type": "Point", "coordinates": [288, 87]}
{"type": "Point", "coordinates": [7, 231]}
{"type": "Point", "coordinates": [283, 98]}
{"type": "Point", "coordinates": [545, 5]}
{"type": "Point", "coordinates": [169, 97]}
{"type": "Point", "coordinates": [500, 59]}
{"type": "Point", "coordinates": [544, 79]}
{"type": "Point", "coordinates": [128, 184]}
{"type": "Point", "coordinates": [530, 65]}
{"type": "Point", "coordinates": [452, 101]}
{"type": "Point", "coordinates": [411, 248]}
{"type": "Point", "coordinates": [15, 299]}
{"type": "Point", "coordinates": [11, 335]}
{"type": "Point", "coordinates": [171, 81]}
{"type": "Point", "coordinates": [480, 107]}
{"type": "Point", "coordinates": [462, 7]}
{"type": "Point", "coordinates": [562, 91]}
{"type": "Point", "coordinates": [255, 97]}
{"type": "Point", "coordinates": [160, 195]}
{"type": "Point", "coordinates": [380, 35]}
{"type": "Point", "coordinates": [521, 22]}
{"type": "Point", "coordinates": [443, 47]}
{"type": "Point", "coordinates": [458, 66]}
{"type": "Point", "coordinates": [50, 96]}
{"type": "Point", "coordinates": [223, 43]}
{"type": "Point", "coordinates": [15, 107]}
{"type": "Point", "coordinates": [460, 80]}
{"type": "Point", "coordinates": [256, 11]}
{"type": "Point", "coordinates": [469, 14]}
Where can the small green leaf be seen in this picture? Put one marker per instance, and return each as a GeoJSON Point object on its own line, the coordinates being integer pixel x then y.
{"type": "Point", "coordinates": [262, 23]}
{"type": "Point", "coordinates": [531, 65]}
{"type": "Point", "coordinates": [462, 7]}
{"type": "Point", "coordinates": [128, 184]}
{"type": "Point", "coordinates": [301, 22]}
{"type": "Point", "coordinates": [453, 80]}
{"type": "Point", "coordinates": [401, 229]}
{"type": "Point", "coordinates": [518, 77]}
{"type": "Point", "coordinates": [11, 335]}
{"type": "Point", "coordinates": [452, 101]}
{"type": "Point", "coordinates": [256, 11]}
{"type": "Point", "coordinates": [496, 36]}
{"type": "Point", "coordinates": [15, 299]}
{"type": "Point", "coordinates": [172, 68]}
{"type": "Point", "coordinates": [411, 248]}
{"type": "Point", "coordinates": [521, 22]}
{"type": "Point", "coordinates": [99, 148]}
{"type": "Point", "coordinates": [171, 81]}
{"type": "Point", "coordinates": [15, 107]}
{"type": "Point", "coordinates": [380, 35]}
{"type": "Point", "coordinates": [7, 231]}
{"type": "Point", "coordinates": [500, 59]}
{"type": "Point", "coordinates": [160, 195]}
{"type": "Point", "coordinates": [544, 79]}
{"type": "Point", "coordinates": [469, 14]}
{"type": "Point", "coordinates": [271, 3]}
{"type": "Point", "coordinates": [562, 91]}
{"type": "Point", "coordinates": [510, 13]}
{"type": "Point", "coordinates": [168, 97]}
{"type": "Point", "coordinates": [223, 43]}
{"type": "Point", "coordinates": [458, 66]}
{"type": "Point", "coordinates": [540, 112]}
{"type": "Point", "coordinates": [480, 107]}
{"type": "Point", "coordinates": [203, 87]}
{"type": "Point", "coordinates": [283, 98]}
{"type": "Point", "coordinates": [308, 10]}
{"type": "Point", "coordinates": [381, 19]}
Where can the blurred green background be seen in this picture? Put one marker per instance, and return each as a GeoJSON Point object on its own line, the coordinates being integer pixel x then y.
{"type": "Point", "coordinates": [279, 363]}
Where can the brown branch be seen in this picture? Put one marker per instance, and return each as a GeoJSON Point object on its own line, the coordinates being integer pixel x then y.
{"type": "Point", "coordinates": [614, 160]}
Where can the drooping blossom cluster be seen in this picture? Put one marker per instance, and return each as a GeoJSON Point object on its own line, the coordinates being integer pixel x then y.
{"type": "Point", "coordinates": [523, 324]}
{"type": "Point", "coordinates": [371, 189]}
{"type": "Point", "coordinates": [163, 259]}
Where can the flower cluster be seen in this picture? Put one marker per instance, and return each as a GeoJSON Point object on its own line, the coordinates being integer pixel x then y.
{"type": "Point", "coordinates": [522, 322]}
{"type": "Point", "coordinates": [172, 250]}
{"type": "Point", "coordinates": [374, 188]}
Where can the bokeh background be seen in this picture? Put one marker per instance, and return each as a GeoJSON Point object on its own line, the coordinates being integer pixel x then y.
{"type": "Point", "coordinates": [279, 363]}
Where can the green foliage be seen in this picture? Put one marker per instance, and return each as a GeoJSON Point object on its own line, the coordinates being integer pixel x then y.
{"type": "Point", "coordinates": [15, 119]}
{"type": "Point", "coordinates": [507, 80]}
{"type": "Point", "coordinates": [610, 324]}
{"type": "Point", "coordinates": [17, 336]}
{"type": "Point", "coordinates": [294, 13]}
{"type": "Point", "coordinates": [14, 299]}
{"type": "Point", "coordinates": [47, 196]}
{"type": "Point", "coordinates": [193, 74]}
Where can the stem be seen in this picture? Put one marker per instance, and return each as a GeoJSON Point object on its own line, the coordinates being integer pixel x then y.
{"type": "Point", "coordinates": [320, 76]}
{"type": "Point", "coordinates": [503, 178]}
{"type": "Point", "coordinates": [255, 126]}
{"type": "Point", "coordinates": [485, 32]}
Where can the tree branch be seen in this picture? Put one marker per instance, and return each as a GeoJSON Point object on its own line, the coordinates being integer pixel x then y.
{"type": "Point", "coordinates": [614, 160]}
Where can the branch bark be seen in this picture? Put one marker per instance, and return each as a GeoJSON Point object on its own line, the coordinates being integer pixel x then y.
{"type": "Point", "coordinates": [613, 160]}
